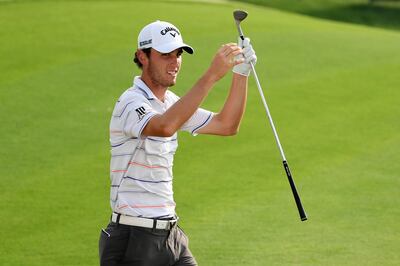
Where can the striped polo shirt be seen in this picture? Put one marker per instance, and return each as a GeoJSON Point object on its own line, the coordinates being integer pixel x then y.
{"type": "Point", "coordinates": [141, 166]}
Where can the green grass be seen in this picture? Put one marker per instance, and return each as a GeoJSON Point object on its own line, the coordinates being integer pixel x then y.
{"type": "Point", "coordinates": [333, 90]}
{"type": "Point", "coordinates": [380, 13]}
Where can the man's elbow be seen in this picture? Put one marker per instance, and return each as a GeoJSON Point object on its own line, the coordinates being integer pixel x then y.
{"type": "Point", "coordinates": [228, 128]}
{"type": "Point", "coordinates": [167, 130]}
{"type": "Point", "coordinates": [231, 131]}
{"type": "Point", "coordinates": [160, 130]}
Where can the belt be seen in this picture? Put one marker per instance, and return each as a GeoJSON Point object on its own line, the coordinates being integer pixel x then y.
{"type": "Point", "coordinates": [143, 222]}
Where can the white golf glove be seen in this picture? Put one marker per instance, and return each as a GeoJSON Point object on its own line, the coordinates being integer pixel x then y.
{"type": "Point", "coordinates": [248, 54]}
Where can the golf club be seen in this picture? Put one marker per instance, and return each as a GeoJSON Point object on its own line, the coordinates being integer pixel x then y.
{"type": "Point", "coordinates": [239, 16]}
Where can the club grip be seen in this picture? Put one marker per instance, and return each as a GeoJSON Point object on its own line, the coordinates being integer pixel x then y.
{"type": "Point", "coordinates": [303, 215]}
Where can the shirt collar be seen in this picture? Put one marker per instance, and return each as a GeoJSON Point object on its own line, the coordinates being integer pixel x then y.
{"type": "Point", "coordinates": [138, 82]}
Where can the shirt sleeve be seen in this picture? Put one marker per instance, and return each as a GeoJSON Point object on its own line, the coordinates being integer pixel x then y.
{"type": "Point", "coordinates": [198, 120]}
{"type": "Point", "coordinates": [138, 113]}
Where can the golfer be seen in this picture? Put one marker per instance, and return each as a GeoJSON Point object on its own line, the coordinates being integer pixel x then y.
{"type": "Point", "coordinates": [143, 133]}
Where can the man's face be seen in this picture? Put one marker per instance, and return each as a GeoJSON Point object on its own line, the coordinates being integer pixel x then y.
{"type": "Point", "coordinates": [162, 68]}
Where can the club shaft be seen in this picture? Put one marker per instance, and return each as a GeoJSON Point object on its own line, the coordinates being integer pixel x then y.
{"type": "Point", "coordinates": [241, 35]}
{"type": "Point", "coordinates": [271, 122]}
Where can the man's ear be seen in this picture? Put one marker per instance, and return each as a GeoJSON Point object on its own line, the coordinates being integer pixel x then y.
{"type": "Point", "coordinates": [142, 57]}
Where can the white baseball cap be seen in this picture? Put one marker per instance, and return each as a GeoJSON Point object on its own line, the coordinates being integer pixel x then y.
{"type": "Point", "coordinates": [163, 37]}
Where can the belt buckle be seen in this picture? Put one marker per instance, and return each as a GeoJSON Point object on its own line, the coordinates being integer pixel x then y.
{"type": "Point", "coordinates": [164, 224]}
{"type": "Point", "coordinates": [160, 224]}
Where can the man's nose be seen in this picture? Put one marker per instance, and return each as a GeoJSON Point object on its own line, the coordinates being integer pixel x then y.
{"type": "Point", "coordinates": [175, 60]}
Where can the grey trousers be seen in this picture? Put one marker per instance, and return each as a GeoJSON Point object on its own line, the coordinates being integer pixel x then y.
{"type": "Point", "coordinates": [136, 246]}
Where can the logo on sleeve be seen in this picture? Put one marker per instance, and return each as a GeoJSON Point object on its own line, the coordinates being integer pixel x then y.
{"type": "Point", "coordinates": [140, 112]}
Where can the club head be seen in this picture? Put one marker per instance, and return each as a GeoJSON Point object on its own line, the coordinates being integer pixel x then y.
{"type": "Point", "coordinates": [239, 15]}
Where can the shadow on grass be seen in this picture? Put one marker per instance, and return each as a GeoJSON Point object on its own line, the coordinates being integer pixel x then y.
{"type": "Point", "coordinates": [384, 14]}
{"type": "Point", "coordinates": [366, 14]}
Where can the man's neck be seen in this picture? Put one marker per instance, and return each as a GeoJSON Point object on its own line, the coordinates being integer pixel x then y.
{"type": "Point", "coordinates": [157, 89]}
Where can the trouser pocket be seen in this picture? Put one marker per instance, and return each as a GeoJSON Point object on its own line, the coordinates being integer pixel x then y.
{"type": "Point", "coordinates": [113, 243]}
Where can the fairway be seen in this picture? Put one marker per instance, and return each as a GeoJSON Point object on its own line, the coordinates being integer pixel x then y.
{"type": "Point", "coordinates": [333, 91]}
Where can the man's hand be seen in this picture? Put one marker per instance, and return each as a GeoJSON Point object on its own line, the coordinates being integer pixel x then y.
{"type": "Point", "coordinates": [248, 55]}
{"type": "Point", "coordinates": [224, 60]}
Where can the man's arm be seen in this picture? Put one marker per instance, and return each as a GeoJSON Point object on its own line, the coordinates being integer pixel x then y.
{"type": "Point", "coordinates": [227, 121]}
{"type": "Point", "coordinates": [168, 123]}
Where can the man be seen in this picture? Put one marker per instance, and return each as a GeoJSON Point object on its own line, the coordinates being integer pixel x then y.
{"type": "Point", "coordinates": [143, 134]}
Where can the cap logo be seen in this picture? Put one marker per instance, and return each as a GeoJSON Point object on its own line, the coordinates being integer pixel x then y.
{"type": "Point", "coordinates": [145, 42]}
{"type": "Point", "coordinates": [170, 30]}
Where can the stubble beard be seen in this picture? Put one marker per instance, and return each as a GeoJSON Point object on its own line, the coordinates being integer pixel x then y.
{"type": "Point", "coordinates": [157, 77]}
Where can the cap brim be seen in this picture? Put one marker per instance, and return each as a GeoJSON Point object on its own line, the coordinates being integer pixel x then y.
{"type": "Point", "coordinates": [169, 47]}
